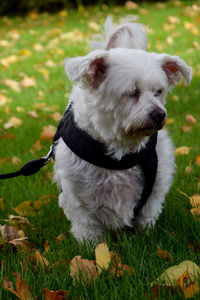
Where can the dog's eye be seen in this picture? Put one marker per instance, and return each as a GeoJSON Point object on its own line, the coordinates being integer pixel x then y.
{"type": "Point", "coordinates": [158, 93]}
{"type": "Point", "coordinates": [135, 94]}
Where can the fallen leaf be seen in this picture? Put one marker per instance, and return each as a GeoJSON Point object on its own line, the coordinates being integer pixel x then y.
{"type": "Point", "coordinates": [38, 47]}
{"type": "Point", "coordinates": [171, 275]}
{"type": "Point", "coordinates": [60, 237]}
{"type": "Point", "coordinates": [56, 116]}
{"type": "Point", "coordinates": [6, 61]}
{"type": "Point", "coordinates": [44, 72]}
{"type": "Point", "coordinates": [37, 146]}
{"type": "Point", "coordinates": [1, 204]}
{"type": "Point", "coordinates": [14, 85]}
{"type": "Point", "coordinates": [22, 290]}
{"type": "Point", "coordinates": [170, 121]}
{"type": "Point", "coordinates": [195, 211]}
{"type": "Point", "coordinates": [189, 287]}
{"type": "Point", "coordinates": [48, 132]}
{"type": "Point", "coordinates": [4, 100]}
{"type": "Point", "coordinates": [164, 254]}
{"type": "Point", "coordinates": [9, 232]}
{"type": "Point", "coordinates": [116, 266]}
{"type": "Point", "coordinates": [13, 122]}
{"type": "Point", "coordinates": [103, 257]}
{"type": "Point", "coordinates": [94, 25]}
{"type": "Point", "coordinates": [83, 268]}
{"type": "Point", "coordinates": [16, 160]}
{"type": "Point", "coordinates": [28, 82]}
{"type": "Point", "coordinates": [41, 260]}
{"type": "Point", "coordinates": [131, 5]}
{"type": "Point", "coordinates": [32, 113]}
{"type": "Point", "coordinates": [173, 20]}
{"type": "Point", "coordinates": [198, 160]}
{"type": "Point", "coordinates": [190, 119]}
{"type": "Point", "coordinates": [25, 52]}
{"type": "Point", "coordinates": [49, 63]}
{"type": "Point", "coordinates": [186, 128]}
{"type": "Point", "coordinates": [25, 208]}
{"type": "Point", "coordinates": [55, 295]}
{"type": "Point", "coordinates": [184, 150]}
{"type": "Point", "coordinates": [195, 200]}
{"type": "Point", "coordinates": [46, 246]}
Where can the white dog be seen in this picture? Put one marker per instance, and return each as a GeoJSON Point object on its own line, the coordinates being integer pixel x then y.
{"type": "Point", "coordinates": [116, 112]}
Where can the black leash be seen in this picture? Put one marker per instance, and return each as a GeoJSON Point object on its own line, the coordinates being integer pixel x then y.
{"type": "Point", "coordinates": [30, 167]}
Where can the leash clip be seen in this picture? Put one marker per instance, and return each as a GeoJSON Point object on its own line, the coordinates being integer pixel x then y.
{"type": "Point", "coordinates": [49, 155]}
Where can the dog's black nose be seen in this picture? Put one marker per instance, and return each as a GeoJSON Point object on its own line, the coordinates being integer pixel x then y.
{"type": "Point", "coordinates": [158, 116]}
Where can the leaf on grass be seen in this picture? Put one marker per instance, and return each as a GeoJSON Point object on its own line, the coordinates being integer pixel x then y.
{"type": "Point", "coordinates": [84, 269]}
{"type": "Point", "coordinates": [1, 204]}
{"type": "Point", "coordinates": [48, 132]}
{"type": "Point", "coordinates": [190, 119]}
{"type": "Point", "coordinates": [25, 208]}
{"type": "Point", "coordinates": [10, 232]}
{"type": "Point", "coordinates": [4, 100]}
{"type": "Point", "coordinates": [6, 61]}
{"type": "Point", "coordinates": [116, 266]}
{"type": "Point", "coordinates": [46, 246]}
{"type": "Point", "coordinates": [44, 72]}
{"type": "Point", "coordinates": [186, 128]}
{"type": "Point", "coordinates": [184, 150]}
{"type": "Point", "coordinates": [171, 275]}
{"type": "Point", "coordinates": [25, 52]}
{"type": "Point", "coordinates": [22, 290]}
{"type": "Point", "coordinates": [14, 85]}
{"type": "Point", "coordinates": [32, 113]}
{"type": "Point", "coordinates": [131, 5]}
{"type": "Point", "coordinates": [198, 160]}
{"type": "Point", "coordinates": [55, 295]}
{"type": "Point", "coordinates": [13, 122]}
{"type": "Point", "coordinates": [189, 287]}
{"type": "Point", "coordinates": [103, 257]}
{"type": "Point", "coordinates": [60, 237]}
{"type": "Point", "coordinates": [56, 116]}
{"type": "Point", "coordinates": [28, 82]}
{"type": "Point", "coordinates": [41, 260]}
{"type": "Point", "coordinates": [195, 200]}
{"type": "Point", "coordinates": [164, 254]}
{"type": "Point", "coordinates": [16, 160]}
{"type": "Point", "coordinates": [37, 146]}
{"type": "Point", "coordinates": [195, 211]}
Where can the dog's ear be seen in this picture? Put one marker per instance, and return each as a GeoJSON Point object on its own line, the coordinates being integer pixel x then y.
{"type": "Point", "coordinates": [90, 69]}
{"type": "Point", "coordinates": [174, 68]}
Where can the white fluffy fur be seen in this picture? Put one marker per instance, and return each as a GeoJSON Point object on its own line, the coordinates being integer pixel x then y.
{"type": "Point", "coordinates": [106, 107]}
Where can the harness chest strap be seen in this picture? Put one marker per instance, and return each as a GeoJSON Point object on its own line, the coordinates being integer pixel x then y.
{"type": "Point", "coordinates": [94, 152]}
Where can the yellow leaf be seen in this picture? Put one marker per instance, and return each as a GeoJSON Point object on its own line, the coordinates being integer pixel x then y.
{"type": "Point", "coordinates": [171, 275]}
{"type": "Point", "coordinates": [195, 200]}
{"type": "Point", "coordinates": [170, 121]}
{"type": "Point", "coordinates": [25, 208]}
{"type": "Point", "coordinates": [32, 113]}
{"type": "Point", "coordinates": [56, 116]}
{"type": "Point", "coordinates": [94, 26]}
{"type": "Point", "coordinates": [184, 150]}
{"type": "Point", "coordinates": [25, 52]}
{"type": "Point", "coordinates": [8, 60]}
{"type": "Point", "coordinates": [195, 211]}
{"type": "Point", "coordinates": [38, 48]}
{"type": "Point", "coordinates": [173, 20]}
{"type": "Point", "coordinates": [44, 72]}
{"type": "Point", "coordinates": [103, 257]}
{"type": "Point", "coordinates": [16, 160]}
{"type": "Point", "coordinates": [49, 63]}
{"type": "Point", "coordinates": [131, 5]}
{"type": "Point", "coordinates": [198, 160]}
{"type": "Point", "coordinates": [63, 13]}
{"type": "Point", "coordinates": [13, 122]}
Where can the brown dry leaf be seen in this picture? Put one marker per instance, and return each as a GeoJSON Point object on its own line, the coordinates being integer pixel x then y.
{"type": "Point", "coordinates": [60, 237]}
{"type": "Point", "coordinates": [195, 200]}
{"type": "Point", "coordinates": [48, 132]}
{"type": "Point", "coordinates": [188, 169]}
{"type": "Point", "coordinates": [164, 254]}
{"type": "Point", "coordinates": [189, 287]}
{"type": "Point", "coordinates": [37, 146]}
{"type": "Point", "coordinates": [198, 160]}
{"type": "Point", "coordinates": [21, 243]}
{"type": "Point", "coordinates": [22, 290]}
{"type": "Point", "coordinates": [55, 295]}
{"type": "Point", "coordinates": [116, 266]}
{"type": "Point", "coordinates": [13, 122]}
{"type": "Point", "coordinates": [14, 85]}
{"type": "Point", "coordinates": [46, 246]}
{"type": "Point", "coordinates": [1, 204]}
{"type": "Point", "coordinates": [186, 128]}
{"type": "Point", "coordinates": [9, 232]}
{"type": "Point", "coordinates": [6, 61]}
{"type": "Point", "coordinates": [83, 268]}
{"type": "Point", "coordinates": [28, 82]}
{"type": "Point", "coordinates": [184, 150]}
{"type": "Point", "coordinates": [56, 116]}
{"type": "Point", "coordinates": [41, 260]}
{"type": "Point", "coordinates": [43, 200]}
{"type": "Point", "coordinates": [103, 257]}
{"type": "Point", "coordinates": [190, 119]}
{"type": "Point", "coordinates": [25, 208]}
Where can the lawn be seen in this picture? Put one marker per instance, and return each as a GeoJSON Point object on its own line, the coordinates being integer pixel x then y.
{"type": "Point", "coordinates": [34, 92]}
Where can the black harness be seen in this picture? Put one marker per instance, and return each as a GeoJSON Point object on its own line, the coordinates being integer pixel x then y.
{"type": "Point", "coordinates": [95, 152]}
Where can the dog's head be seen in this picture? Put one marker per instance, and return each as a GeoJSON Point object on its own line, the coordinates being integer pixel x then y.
{"type": "Point", "coordinates": [125, 90]}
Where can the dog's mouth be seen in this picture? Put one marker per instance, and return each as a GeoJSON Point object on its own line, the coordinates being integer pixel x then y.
{"type": "Point", "coordinates": [147, 130]}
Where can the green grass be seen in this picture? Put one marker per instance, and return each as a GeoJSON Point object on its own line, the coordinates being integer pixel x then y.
{"type": "Point", "coordinates": [175, 227]}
